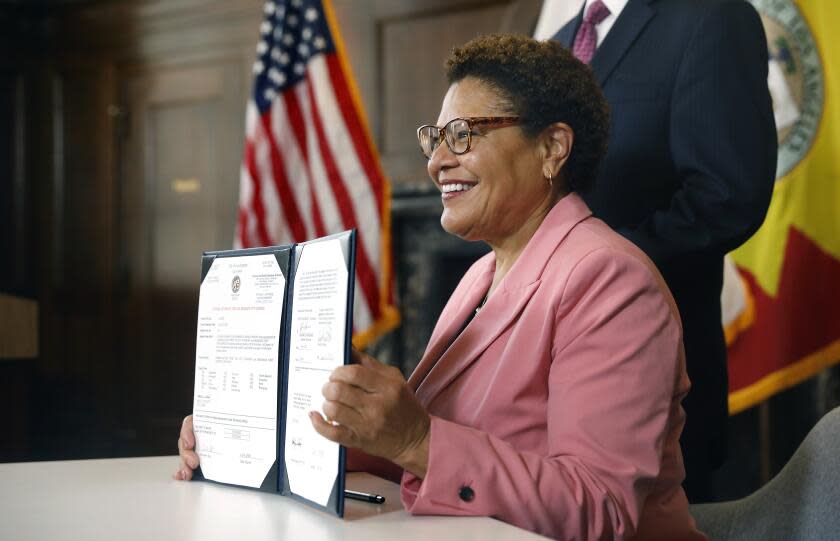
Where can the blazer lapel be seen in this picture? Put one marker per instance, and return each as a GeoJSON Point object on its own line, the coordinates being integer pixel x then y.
{"type": "Point", "coordinates": [487, 325]}
{"type": "Point", "coordinates": [443, 362]}
{"type": "Point", "coordinates": [634, 17]}
{"type": "Point", "coordinates": [455, 314]}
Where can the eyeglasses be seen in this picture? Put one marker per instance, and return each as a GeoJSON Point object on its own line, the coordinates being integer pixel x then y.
{"type": "Point", "coordinates": [458, 133]}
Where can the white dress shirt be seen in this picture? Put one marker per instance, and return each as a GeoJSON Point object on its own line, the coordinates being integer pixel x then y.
{"type": "Point", "coordinates": [556, 13]}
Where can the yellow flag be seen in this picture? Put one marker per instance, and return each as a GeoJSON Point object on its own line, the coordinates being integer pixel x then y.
{"type": "Point", "coordinates": [791, 267]}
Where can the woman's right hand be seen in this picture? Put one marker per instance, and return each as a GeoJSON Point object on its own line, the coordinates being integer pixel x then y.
{"type": "Point", "coordinates": [186, 444]}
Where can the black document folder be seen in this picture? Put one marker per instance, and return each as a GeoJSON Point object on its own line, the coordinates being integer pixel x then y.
{"type": "Point", "coordinates": [299, 335]}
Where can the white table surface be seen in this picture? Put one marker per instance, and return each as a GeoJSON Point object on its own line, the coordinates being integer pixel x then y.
{"type": "Point", "coordinates": [135, 498]}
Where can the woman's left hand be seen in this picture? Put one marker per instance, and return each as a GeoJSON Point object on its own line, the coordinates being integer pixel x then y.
{"type": "Point", "coordinates": [372, 408]}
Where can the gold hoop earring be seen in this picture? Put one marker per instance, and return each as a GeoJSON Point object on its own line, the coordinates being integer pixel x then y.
{"type": "Point", "coordinates": [550, 180]}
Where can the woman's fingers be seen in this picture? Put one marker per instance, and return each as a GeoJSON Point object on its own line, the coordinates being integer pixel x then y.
{"type": "Point", "coordinates": [188, 456]}
{"type": "Point", "coordinates": [377, 367]}
{"type": "Point", "coordinates": [367, 374]}
{"type": "Point", "coordinates": [357, 375]}
{"type": "Point", "coordinates": [186, 444]}
{"type": "Point", "coordinates": [344, 415]}
{"type": "Point", "coordinates": [184, 473]}
{"type": "Point", "coordinates": [185, 470]}
{"type": "Point", "coordinates": [187, 433]}
{"type": "Point", "coordinates": [337, 433]}
{"type": "Point", "coordinates": [344, 393]}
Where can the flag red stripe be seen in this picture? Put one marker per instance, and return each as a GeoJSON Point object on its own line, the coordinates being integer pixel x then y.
{"type": "Point", "coordinates": [243, 228]}
{"type": "Point", "coordinates": [295, 115]}
{"type": "Point", "coordinates": [284, 191]}
{"type": "Point", "coordinates": [256, 198]}
{"type": "Point", "coordinates": [364, 269]}
{"type": "Point", "coordinates": [354, 125]}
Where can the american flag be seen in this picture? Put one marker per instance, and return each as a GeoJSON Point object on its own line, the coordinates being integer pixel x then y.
{"type": "Point", "coordinates": [310, 168]}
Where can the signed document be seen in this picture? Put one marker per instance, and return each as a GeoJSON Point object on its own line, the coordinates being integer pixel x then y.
{"type": "Point", "coordinates": [316, 348]}
{"type": "Point", "coordinates": [273, 323]}
{"type": "Point", "coordinates": [237, 370]}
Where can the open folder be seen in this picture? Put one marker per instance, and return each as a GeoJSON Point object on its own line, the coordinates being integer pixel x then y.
{"type": "Point", "coordinates": [272, 325]}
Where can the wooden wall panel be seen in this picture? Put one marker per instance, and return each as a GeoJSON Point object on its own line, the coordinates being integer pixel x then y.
{"type": "Point", "coordinates": [83, 187]}
{"type": "Point", "coordinates": [79, 250]}
{"type": "Point", "coordinates": [15, 194]}
{"type": "Point", "coordinates": [180, 158]}
{"type": "Point", "coordinates": [413, 51]}
{"type": "Point", "coordinates": [183, 185]}
{"type": "Point", "coordinates": [19, 230]}
{"type": "Point", "coordinates": [9, 141]}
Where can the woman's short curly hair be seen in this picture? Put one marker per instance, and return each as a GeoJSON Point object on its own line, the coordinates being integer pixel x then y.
{"type": "Point", "coordinates": [542, 83]}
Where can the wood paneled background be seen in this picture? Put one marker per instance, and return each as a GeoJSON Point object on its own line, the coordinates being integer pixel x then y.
{"type": "Point", "coordinates": [121, 131]}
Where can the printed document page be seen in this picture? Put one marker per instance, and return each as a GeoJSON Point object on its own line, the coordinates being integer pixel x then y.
{"type": "Point", "coordinates": [316, 347]}
{"type": "Point", "coordinates": [237, 371]}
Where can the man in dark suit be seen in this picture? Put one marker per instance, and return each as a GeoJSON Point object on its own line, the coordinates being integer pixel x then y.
{"type": "Point", "coordinates": [689, 171]}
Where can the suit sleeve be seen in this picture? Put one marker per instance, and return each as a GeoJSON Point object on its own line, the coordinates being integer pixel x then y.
{"type": "Point", "coordinates": [615, 357]}
{"type": "Point", "coordinates": [722, 139]}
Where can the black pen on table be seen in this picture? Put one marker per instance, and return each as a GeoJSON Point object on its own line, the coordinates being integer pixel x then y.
{"type": "Point", "coordinates": [364, 496]}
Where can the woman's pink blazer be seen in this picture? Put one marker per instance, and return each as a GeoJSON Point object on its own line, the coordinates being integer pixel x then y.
{"type": "Point", "coordinates": [557, 408]}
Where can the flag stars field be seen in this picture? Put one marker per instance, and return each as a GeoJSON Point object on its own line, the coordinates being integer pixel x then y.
{"type": "Point", "coordinates": [290, 39]}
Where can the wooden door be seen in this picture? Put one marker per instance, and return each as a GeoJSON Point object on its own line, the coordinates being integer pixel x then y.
{"type": "Point", "coordinates": [179, 194]}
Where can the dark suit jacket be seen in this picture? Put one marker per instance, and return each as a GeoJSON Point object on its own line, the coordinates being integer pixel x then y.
{"type": "Point", "coordinates": [690, 166]}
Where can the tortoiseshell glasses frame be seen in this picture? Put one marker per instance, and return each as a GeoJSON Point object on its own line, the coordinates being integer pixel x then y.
{"type": "Point", "coordinates": [458, 132]}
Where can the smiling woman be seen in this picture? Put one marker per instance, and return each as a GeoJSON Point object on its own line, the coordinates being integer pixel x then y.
{"type": "Point", "coordinates": [556, 406]}
{"type": "Point", "coordinates": [508, 195]}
